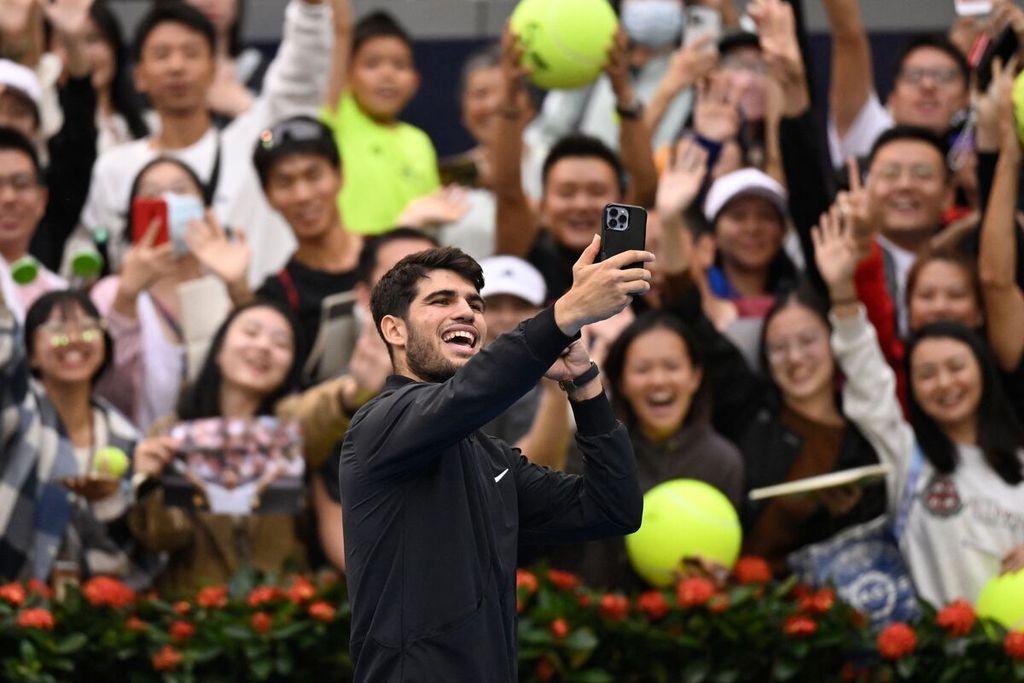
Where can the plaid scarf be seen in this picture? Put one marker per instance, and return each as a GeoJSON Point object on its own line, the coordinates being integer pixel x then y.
{"type": "Point", "coordinates": [37, 514]}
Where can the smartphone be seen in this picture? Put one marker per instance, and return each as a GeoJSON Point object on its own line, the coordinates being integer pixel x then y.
{"type": "Point", "coordinates": [173, 211]}
{"type": "Point", "coordinates": [700, 22]}
{"type": "Point", "coordinates": [1004, 46]}
{"type": "Point", "coordinates": [625, 228]}
{"type": "Point", "coordinates": [972, 8]}
{"type": "Point", "coordinates": [144, 211]}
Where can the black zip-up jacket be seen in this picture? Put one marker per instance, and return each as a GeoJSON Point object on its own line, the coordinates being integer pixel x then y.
{"type": "Point", "coordinates": [434, 510]}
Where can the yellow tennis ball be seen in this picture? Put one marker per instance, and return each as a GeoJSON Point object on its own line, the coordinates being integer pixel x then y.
{"type": "Point", "coordinates": [565, 42]}
{"type": "Point", "coordinates": [1018, 105]}
{"type": "Point", "coordinates": [110, 462]}
{"type": "Point", "coordinates": [683, 518]}
{"type": "Point", "coordinates": [1002, 599]}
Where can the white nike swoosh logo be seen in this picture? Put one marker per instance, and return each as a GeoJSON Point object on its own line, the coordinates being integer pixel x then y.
{"type": "Point", "coordinates": [498, 478]}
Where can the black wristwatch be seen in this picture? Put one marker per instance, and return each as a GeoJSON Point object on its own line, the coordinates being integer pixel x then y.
{"type": "Point", "coordinates": [580, 381]}
{"type": "Point", "coordinates": [633, 110]}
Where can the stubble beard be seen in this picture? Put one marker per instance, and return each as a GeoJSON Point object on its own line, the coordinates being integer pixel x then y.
{"type": "Point", "coordinates": [425, 362]}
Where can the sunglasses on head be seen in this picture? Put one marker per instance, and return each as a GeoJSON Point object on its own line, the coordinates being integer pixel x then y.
{"type": "Point", "coordinates": [297, 130]}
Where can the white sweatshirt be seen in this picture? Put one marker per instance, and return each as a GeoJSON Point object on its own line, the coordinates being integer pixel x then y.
{"type": "Point", "coordinates": [958, 526]}
{"type": "Point", "coordinates": [295, 84]}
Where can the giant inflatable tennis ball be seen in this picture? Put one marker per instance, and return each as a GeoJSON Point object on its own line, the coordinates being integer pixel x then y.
{"type": "Point", "coordinates": [565, 42]}
{"type": "Point", "coordinates": [683, 518]}
{"type": "Point", "coordinates": [1002, 599]}
{"type": "Point", "coordinates": [110, 462]}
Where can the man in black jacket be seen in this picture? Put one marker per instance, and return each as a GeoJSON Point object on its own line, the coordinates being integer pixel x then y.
{"type": "Point", "coordinates": [433, 508]}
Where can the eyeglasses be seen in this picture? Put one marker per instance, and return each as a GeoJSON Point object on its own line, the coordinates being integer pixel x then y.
{"type": "Point", "coordinates": [893, 171]}
{"type": "Point", "coordinates": [87, 330]}
{"type": "Point", "coordinates": [293, 130]}
{"type": "Point", "coordinates": [778, 349]}
{"type": "Point", "coordinates": [19, 182]}
{"type": "Point", "coordinates": [916, 75]}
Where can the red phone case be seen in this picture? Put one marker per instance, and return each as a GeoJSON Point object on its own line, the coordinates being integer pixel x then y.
{"type": "Point", "coordinates": [144, 210]}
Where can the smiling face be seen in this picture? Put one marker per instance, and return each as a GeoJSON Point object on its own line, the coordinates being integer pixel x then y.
{"type": "Point", "coordinates": [22, 203]}
{"type": "Point", "coordinates": [799, 357]}
{"type": "Point", "coordinates": [257, 352]}
{"type": "Point", "coordinates": [443, 328]}
{"type": "Point", "coordinates": [946, 380]}
{"type": "Point", "coordinates": [575, 193]}
{"type": "Point", "coordinates": [943, 291]}
{"type": "Point", "coordinates": [480, 102]}
{"type": "Point", "coordinates": [929, 90]}
{"type": "Point", "coordinates": [908, 191]}
{"type": "Point", "coordinates": [69, 348]}
{"type": "Point", "coordinates": [749, 233]}
{"type": "Point", "coordinates": [659, 382]}
{"type": "Point", "coordinates": [304, 188]}
{"type": "Point", "coordinates": [382, 77]}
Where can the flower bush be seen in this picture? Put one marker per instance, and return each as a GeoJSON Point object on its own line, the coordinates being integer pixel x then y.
{"type": "Point", "coordinates": [295, 628]}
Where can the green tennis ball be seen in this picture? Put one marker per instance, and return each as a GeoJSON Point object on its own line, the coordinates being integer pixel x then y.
{"type": "Point", "coordinates": [565, 42]}
{"type": "Point", "coordinates": [110, 462]}
{"type": "Point", "coordinates": [683, 518]}
{"type": "Point", "coordinates": [1002, 599]}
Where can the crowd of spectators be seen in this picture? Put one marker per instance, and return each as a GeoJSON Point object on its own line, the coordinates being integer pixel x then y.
{"type": "Point", "coordinates": [837, 284]}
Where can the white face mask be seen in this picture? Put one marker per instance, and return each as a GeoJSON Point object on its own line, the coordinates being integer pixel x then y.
{"type": "Point", "coordinates": [653, 23]}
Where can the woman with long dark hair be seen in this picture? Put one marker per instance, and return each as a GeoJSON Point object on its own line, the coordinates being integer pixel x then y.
{"type": "Point", "coordinates": [63, 451]}
{"type": "Point", "coordinates": [961, 455]}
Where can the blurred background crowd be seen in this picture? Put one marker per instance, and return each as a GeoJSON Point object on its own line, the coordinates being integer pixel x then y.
{"type": "Point", "coordinates": [191, 226]}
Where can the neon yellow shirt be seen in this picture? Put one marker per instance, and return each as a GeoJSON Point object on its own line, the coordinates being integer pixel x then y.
{"type": "Point", "coordinates": [383, 167]}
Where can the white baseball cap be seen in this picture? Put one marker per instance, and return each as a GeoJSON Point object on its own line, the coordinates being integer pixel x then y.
{"type": "Point", "coordinates": [745, 182]}
{"type": "Point", "coordinates": [14, 75]}
{"type": "Point", "coordinates": [514, 276]}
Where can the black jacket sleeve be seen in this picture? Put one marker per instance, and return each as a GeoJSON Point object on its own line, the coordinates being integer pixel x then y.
{"type": "Point", "coordinates": [72, 154]}
{"type": "Point", "coordinates": [606, 500]}
{"type": "Point", "coordinates": [407, 429]}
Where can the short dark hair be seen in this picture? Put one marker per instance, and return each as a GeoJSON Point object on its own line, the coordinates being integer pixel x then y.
{"type": "Point", "coordinates": [173, 13]}
{"type": "Point", "coordinates": [935, 41]}
{"type": "Point", "coordinates": [201, 398]}
{"type": "Point", "coordinates": [397, 289]}
{"type": "Point", "coordinates": [296, 135]}
{"type": "Point", "coordinates": [914, 134]}
{"type": "Point", "coordinates": [1000, 436]}
{"type": "Point", "coordinates": [615, 363]}
{"type": "Point", "coordinates": [65, 301]}
{"type": "Point", "coordinates": [21, 99]}
{"type": "Point", "coordinates": [373, 244]}
{"type": "Point", "coordinates": [379, 24]}
{"type": "Point", "coordinates": [13, 141]}
{"type": "Point", "coordinates": [580, 145]}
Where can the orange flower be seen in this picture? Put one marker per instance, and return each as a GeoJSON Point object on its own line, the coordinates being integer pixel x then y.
{"type": "Point", "coordinates": [35, 618]}
{"type": "Point", "coordinates": [301, 590]}
{"type": "Point", "coordinates": [614, 607]}
{"type": "Point", "coordinates": [322, 611]}
{"type": "Point", "coordinates": [896, 641]}
{"type": "Point", "coordinates": [166, 659]}
{"type": "Point", "coordinates": [957, 618]}
{"type": "Point", "coordinates": [213, 597]}
{"type": "Point", "coordinates": [526, 580]}
{"type": "Point", "coordinates": [1014, 645]}
{"type": "Point", "coordinates": [564, 581]}
{"type": "Point", "coordinates": [182, 630]}
{"type": "Point", "coordinates": [559, 628]}
{"type": "Point", "coordinates": [13, 593]}
{"type": "Point", "coordinates": [39, 588]}
{"type": "Point", "coordinates": [103, 591]}
{"type": "Point", "coordinates": [133, 623]}
{"type": "Point", "coordinates": [545, 671]}
{"type": "Point", "coordinates": [182, 607]}
{"type": "Point", "coordinates": [799, 626]}
{"type": "Point", "coordinates": [694, 591]}
{"type": "Point", "coordinates": [718, 603]}
{"type": "Point", "coordinates": [751, 569]}
{"type": "Point", "coordinates": [819, 602]}
{"type": "Point", "coordinates": [653, 604]}
{"type": "Point", "coordinates": [263, 594]}
{"type": "Point", "coordinates": [261, 622]}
